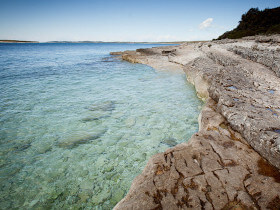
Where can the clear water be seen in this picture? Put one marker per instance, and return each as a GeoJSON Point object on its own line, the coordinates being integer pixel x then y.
{"type": "Point", "coordinates": [78, 125]}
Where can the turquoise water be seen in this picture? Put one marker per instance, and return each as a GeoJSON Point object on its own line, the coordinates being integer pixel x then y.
{"type": "Point", "coordinates": [78, 125]}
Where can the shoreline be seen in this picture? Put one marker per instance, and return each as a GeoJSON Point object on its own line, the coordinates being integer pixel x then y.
{"type": "Point", "coordinates": [222, 165]}
{"type": "Point", "coordinates": [99, 42]}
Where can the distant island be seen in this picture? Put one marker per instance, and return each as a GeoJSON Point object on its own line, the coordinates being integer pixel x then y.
{"type": "Point", "coordinates": [256, 22]}
{"type": "Point", "coordinates": [16, 41]}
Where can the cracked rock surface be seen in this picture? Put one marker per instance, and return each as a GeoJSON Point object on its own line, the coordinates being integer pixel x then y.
{"type": "Point", "coordinates": [234, 159]}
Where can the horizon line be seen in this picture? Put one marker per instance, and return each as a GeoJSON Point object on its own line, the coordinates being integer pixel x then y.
{"type": "Point", "coordinates": [89, 41]}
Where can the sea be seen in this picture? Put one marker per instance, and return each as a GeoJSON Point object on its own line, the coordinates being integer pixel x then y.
{"type": "Point", "coordinates": [77, 124]}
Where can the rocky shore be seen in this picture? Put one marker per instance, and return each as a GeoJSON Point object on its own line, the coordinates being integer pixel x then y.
{"type": "Point", "coordinates": [233, 161]}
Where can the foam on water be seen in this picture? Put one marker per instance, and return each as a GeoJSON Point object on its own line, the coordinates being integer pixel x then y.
{"type": "Point", "coordinates": [76, 129]}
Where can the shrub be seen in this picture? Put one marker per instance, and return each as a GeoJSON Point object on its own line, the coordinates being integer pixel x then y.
{"type": "Point", "coordinates": [256, 22]}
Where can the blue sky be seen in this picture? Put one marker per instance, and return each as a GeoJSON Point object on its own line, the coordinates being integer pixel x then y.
{"type": "Point", "coordinates": [122, 20]}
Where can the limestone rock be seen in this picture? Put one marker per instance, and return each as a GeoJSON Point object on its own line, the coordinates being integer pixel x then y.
{"type": "Point", "coordinates": [234, 159]}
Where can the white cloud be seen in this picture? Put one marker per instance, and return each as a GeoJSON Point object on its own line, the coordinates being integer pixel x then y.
{"type": "Point", "coordinates": [206, 23]}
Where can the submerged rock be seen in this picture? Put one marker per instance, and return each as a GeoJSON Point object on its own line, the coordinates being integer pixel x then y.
{"type": "Point", "coordinates": [105, 106]}
{"type": "Point", "coordinates": [109, 59]}
{"type": "Point", "coordinates": [130, 121]}
{"type": "Point", "coordinates": [171, 142]}
{"type": "Point", "coordinates": [99, 111]}
{"type": "Point", "coordinates": [92, 118]}
{"type": "Point", "coordinates": [22, 147]}
{"type": "Point", "coordinates": [80, 138]}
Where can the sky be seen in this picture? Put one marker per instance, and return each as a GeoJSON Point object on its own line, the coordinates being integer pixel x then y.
{"type": "Point", "coordinates": [122, 20]}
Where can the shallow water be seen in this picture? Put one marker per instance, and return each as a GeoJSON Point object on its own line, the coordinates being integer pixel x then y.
{"type": "Point", "coordinates": [77, 125]}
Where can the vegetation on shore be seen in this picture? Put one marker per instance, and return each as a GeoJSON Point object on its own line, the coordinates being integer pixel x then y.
{"type": "Point", "coordinates": [255, 22]}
